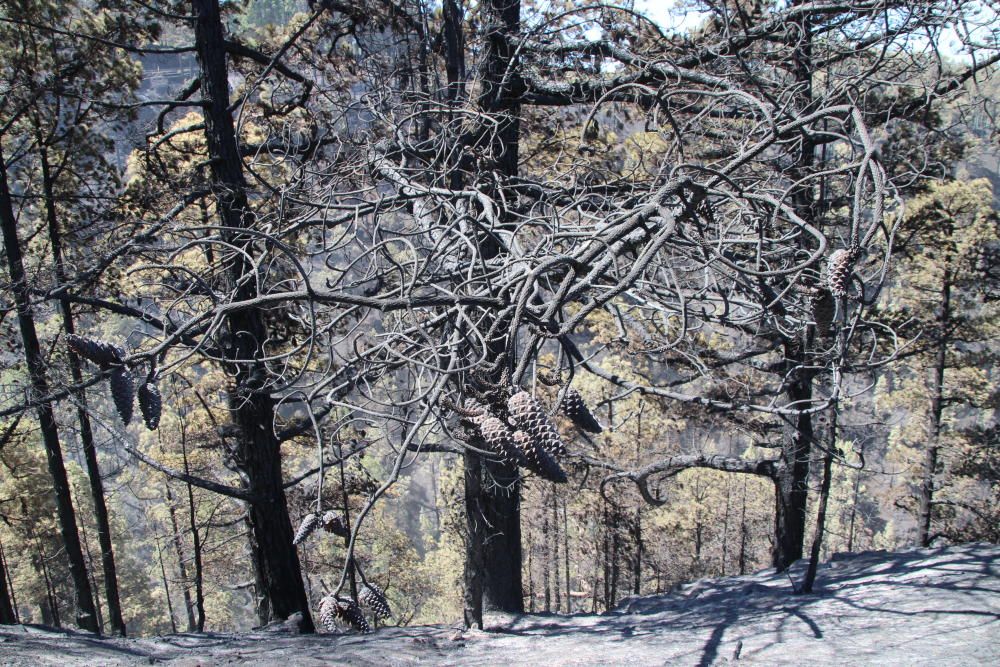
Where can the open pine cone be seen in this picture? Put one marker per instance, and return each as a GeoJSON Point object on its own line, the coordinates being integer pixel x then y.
{"type": "Point", "coordinates": [497, 436]}
{"type": "Point", "coordinates": [531, 418]}
{"type": "Point", "coordinates": [535, 458]}
{"type": "Point", "coordinates": [373, 597]}
{"type": "Point", "coordinates": [574, 407]}
{"type": "Point", "coordinates": [309, 524]}
{"type": "Point", "coordinates": [839, 269]}
{"type": "Point", "coordinates": [150, 404]}
{"type": "Point", "coordinates": [333, 609]}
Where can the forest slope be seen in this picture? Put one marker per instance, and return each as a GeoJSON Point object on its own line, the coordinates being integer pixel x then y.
{"type": "Point", "coordinates": [939, 606]}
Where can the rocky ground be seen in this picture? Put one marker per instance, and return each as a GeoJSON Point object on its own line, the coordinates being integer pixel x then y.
{"type": "Point", "coordinates": [918, 607]}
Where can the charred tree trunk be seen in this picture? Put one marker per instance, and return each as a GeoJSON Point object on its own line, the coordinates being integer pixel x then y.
{"type": "Point", "coordinates": [792, 483]}
{"type": "Point", "coordinates": [8, 614]}
{"type": "Point", "coordinates": [86, 431]}
{"type": "Point", "coordinates": [926, 493]}
{"type": "Point", "coordinates": [86, 615]}
{"type": "Point", "coordinates": [569, 597]}
{"type": "Point", "coordinates": [546, 559]}
{"type": "Point", "coordinates": [741, 560]}
{"type": "Point", "coordinates": [166, 588]}
{"type": "Point", "coordinates": [824, 497]}
{"type": "Point", "coordinates": [496, 496]}
{"type": "Point", "coordinates": [637, 561]}
{"type": "Point", "coordinates": [179, 551]}
{"type": "Point", "coordinates": [280, 589]}
{"type": "Point", "coordinates": [475, 536]}
{"type": "Point", "coordinates": [199, 584]}
{"type": "Point", "coordinates": [556, 569]}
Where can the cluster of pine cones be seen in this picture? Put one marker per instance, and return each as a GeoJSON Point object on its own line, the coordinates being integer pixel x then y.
{"type": "Point", "coordinates": [331, 522]}
{"type": "Point", "coordinates": [111, 357]}
{"type": "Point", "coordinates": [335, 610]}
{"type": "Point", "coordinates": [529, 438]}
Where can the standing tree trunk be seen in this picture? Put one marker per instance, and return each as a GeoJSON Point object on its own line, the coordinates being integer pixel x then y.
{"type": "Point", "coordinates": [86, 431]}
{"type": "Point", "coordinates": [926, 497]}
{"type": "Point", "coordinates": [473, 575]}
{"type": "Point", "coordinates": [199, 584]}
{"type": "Point", "coordinates": [8, 613]}
{"type": "Point", "coordinates": [166, 588]}
{"type": "Point", "coordinates": [546, 558]}
{"type": "Point", "coordinates": [495, 511]}
{"type": "Point", "coordinates": [741, 560]}
{"type": "Point", "coordinates": [637, 561]}
{"type": "Point", "coordinates": [792, 484]}
{"type": "Point", "coordinates": [792, 487]}
{"type": "Point", "coordinates": [556, 585]}
{"type": "Point", "coordinates": [179, 551]}
{"type": "Point", "coordinates": [855, 493]}
{"type": "Point", "coordinates": [569, 598]}
{"type": "Point", "coordinates": [86, 615]}
{"type": "Point", "coordinates": [280, 589]}
{"type": "Point", "coordinates": [824, 496]}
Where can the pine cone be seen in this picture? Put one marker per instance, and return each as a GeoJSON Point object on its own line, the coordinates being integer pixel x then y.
{"type": "Point", "coordinates": [373, 597]}
{"type": "Point", "coordinates": [332, 609]}
{"type": "Point", "coordinates": [332, 523]}
{"type": "Point", "coordinates": [309, 523]}
{"type": "Point", "coordinates": [123, 392]}
{"type": "Point", "coordinates": [531, 418]}
{"type": "Point", "coordinates": [150, 404]}
{"type": "Point", "coordinates": [574, 407]}
{"type": "Point", "coordinates": [537, 459]}
{"type": "Point", "coordinates": [100, 352]}
{"type": "Point", "coordinates": [497, 437]}
{"type": "Point", "coordinates": [472, 409]}
{"type": "Point", "coordinates": [839, 269]}
{"type": "Point", "coordinates": [328, 612]}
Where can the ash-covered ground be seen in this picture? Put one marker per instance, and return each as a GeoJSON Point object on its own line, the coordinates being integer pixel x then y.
{"type": "Point", "coordinates": [917, 607]}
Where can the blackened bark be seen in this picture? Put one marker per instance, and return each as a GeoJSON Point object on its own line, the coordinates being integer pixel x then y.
{"type": "Point", "coordinates": [86, 615]}
{"type": "Point", "coordinates": [166, 588]}
{"type": "Point", "coordinates": [569, 598]}
{"type": "Point", "coordinates": [792, 488]}
{"type": "Point", "coordinates": [741, 560]}
{"type": "Point", "coordinates": [637, 561]}
{"type": "Point", "coordinates": [501, 508]}
{"type": "Point", "coordinates": [556, 585]}
{"type": "Point", "coordinates": [280, 588]}
{"type": "Point", "coordinates": [199, 583]}
{"type": "Point", "coordinates": [501, 498]}
{"type": "Point", "coordinates": [86, 431]}
{"type": "Point", "coordinates": [475, 536]}
{"type": "Point", "coordinates": [179, 552]}
{"type": "Point", "coordinates": [7, 614]}
{"type": "Point", "coordinates": [824, 495]}
{"type": "Point", "coordinates": [792, 484]}
{"type": "Point", "coordinates": [495, 496]}
{"type": "Point", "coordinates": [824, 490]}
{"type": "Point", "coordinates": [926, 493]}
{"type": "Point", "coordinates": [546, 559]}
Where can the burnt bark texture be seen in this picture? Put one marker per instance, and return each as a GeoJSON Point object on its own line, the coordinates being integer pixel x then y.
{"type": "Point", "coordinates": [7, 615]}
{"type": "Point", "coordinates": [280, 589]}
{"type": "Point", "coordinates": [493, 501]}
{"type": "Point", "coordinates": [792, 488]}
{"type": "Point", "coordinates": [86, 614]}
{"type": "Point", "coordinates": [86, 430]}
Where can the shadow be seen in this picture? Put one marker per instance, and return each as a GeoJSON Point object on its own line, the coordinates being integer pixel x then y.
{"type": "Point", "coordinates": [710, 651]}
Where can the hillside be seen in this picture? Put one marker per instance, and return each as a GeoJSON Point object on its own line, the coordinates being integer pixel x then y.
{"type": "Point", "coordinates": [929, 606]}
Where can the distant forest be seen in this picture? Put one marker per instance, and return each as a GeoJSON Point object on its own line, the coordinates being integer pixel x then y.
{"type": "Point", "coordinates": [409, 311]}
